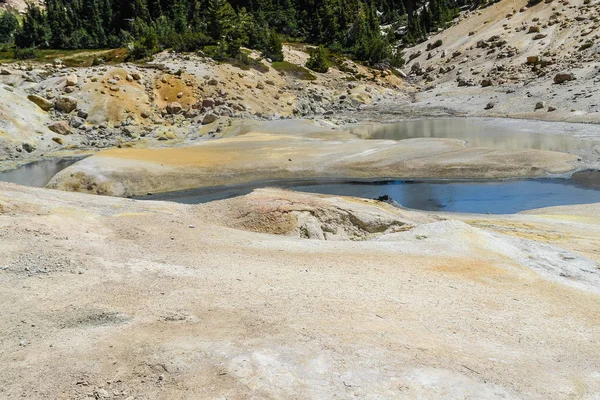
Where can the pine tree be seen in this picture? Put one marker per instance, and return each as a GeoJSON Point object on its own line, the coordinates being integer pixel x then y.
{"type": "Point", "coordinates": [93, 22]}
{"type": "Point", "coordinates": [179, 15]}
{"type": "Point", "coordinates": [222, 18]}
{"type": "Point", "coordinates": [155, 9]}
{"type": "Point", "coordinates": [34, 31]}
{"type": "Point", "coordinates": [273, 48]}
{"type": "Point", "coordinates": [8, 25]}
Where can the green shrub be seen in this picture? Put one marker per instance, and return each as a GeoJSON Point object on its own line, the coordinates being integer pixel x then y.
{"type": "Point", "coordinates": [27, 53]}
{"type": "Point", "coordinates": [293, 70]}
{"type": "Point", "coordinates": [434, 45]}
{"type": "Point", "coordinates": [318, 61]}
{"type": "Point", "coordinates": [190, 41]}
{"type": "Point", "coordinates": [586, 45]}
{"type": "Point", "coordinates": [146, 47]}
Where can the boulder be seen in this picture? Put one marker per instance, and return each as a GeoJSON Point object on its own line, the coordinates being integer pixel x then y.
{"type": "Point", "coordinates": [65, 104]}
{"type": "Point", "coordinates": [534, 29]}
{"type": "Point", "coordinates": [532, 60]}
{"type": "Point", "coordinates": [60, 127]}
{"type": "Point", "coordinates": [539, 105]}
{"type": "Point", "coordinates": [486, 82]}
{"type": "Point", "coordinates": [489, 106]}
{"type": "Point", "coordinates": [563, 77]}
{"type": "Point", "coordinates": [41, 102]}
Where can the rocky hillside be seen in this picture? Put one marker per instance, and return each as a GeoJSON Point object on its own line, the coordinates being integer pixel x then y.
{"type": "Point", "coordinates": [515, 58]}
{"type": "Point", "coordinates": [176, 98]}
{"type": "Point", "coordinates": [18, 5]}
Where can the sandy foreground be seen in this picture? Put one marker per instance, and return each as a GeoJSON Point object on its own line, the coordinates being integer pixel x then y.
{"type": "Point", "coordinates": [116, 298]}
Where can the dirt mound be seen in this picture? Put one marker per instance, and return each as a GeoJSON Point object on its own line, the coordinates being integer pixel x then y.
{"type": "Point", "coordinates": [310, 216]}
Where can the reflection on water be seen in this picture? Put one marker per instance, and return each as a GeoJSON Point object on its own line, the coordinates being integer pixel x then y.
{"type": "Point", "coordinates": [478, 133]}
{"type": "Point", "coordinates": [470, 197]}
{"type": "Point", "coordinates": [38, 173]}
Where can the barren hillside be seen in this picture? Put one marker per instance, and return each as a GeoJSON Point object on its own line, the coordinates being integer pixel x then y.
{"type": "Point", "coordinates": [539, 61]}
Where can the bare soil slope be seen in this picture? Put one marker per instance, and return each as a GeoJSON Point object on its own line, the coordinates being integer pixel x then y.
{"type": "Point", "coordinates": [503, 60]}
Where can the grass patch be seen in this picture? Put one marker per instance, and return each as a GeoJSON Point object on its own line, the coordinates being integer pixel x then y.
{"type": "Point", "coordinates": [71, 58]}
{"type": "Point", "coordinates": [294, 70]}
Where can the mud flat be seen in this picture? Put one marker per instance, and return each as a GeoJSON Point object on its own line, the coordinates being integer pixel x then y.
{"type": "Point", "coordinates": [260, 156]}
{"type": "Point", "coordinates": [109, 297]}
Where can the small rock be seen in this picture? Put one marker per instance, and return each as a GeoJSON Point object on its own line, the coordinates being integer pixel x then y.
{"type": "Point", "coordinates": [563, 77]}
{"type": "Point", "coordinates": [65, 104]}
{"type": "Point", "coordinates": [41, 102]}
{"type": "Point", "coordinates": [29, 147]}
{"type": "Point", "coordinates": [60, 127]}
{"type": "Point", "coordinates": [539, 105]}
{"type": "Point", "coordinates": [174, 108]}
{"type": "Point", "coordinates": [209, 119]}
{"type": "Point", "coordinates": [208, 103]}
{"type": "Point", "coordinates": [58, 140]}
{"type": "Point", "coordinates": [101, 394]}
{"type": "Point", "coordinates": [72, 80]}
{"type": "Point", "coordinates": [489, 106]}
{"type": "Point", "coordinates": [76, 122]}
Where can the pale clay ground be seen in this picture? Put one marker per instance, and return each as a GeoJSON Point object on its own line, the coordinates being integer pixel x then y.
{"type": "Point", "coordinates": [245, 299]}
{"type": "Point", "coordinates": [149, 300]}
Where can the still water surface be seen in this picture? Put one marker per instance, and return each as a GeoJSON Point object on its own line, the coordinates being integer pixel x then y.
{"type": "Point", "coordinates": [504, 197]}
